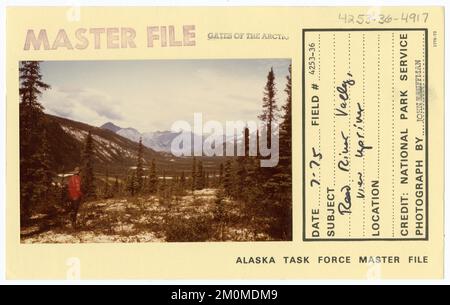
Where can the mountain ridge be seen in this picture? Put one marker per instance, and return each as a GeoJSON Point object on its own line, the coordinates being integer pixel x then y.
{"type": "Point", "coordinates": [160, 141]}
{"type": "Point", "coordinates": [111, 126]}
{"type": "Point", "coordinates": [113, 153]}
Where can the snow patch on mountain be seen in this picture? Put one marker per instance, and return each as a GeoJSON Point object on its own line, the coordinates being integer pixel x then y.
{"type": "Point", "coordinates": [161, 141]}
{"type": "Point", "coordinates": [78, 134]}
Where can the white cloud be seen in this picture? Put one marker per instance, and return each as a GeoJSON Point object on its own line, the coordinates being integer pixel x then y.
{"type": "Point", "coordinates": [85, 105]}
{"type": "Point", "coordinates": [151, 95]}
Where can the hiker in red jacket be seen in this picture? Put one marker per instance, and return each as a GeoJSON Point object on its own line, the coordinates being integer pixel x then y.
{"type": "Point", "coordinates": [75, 194]}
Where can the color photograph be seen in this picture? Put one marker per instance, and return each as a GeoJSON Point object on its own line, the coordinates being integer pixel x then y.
{"type": "Point", "coordinates": [155, 151]}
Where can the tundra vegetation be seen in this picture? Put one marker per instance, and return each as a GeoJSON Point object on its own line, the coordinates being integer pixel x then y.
{"type": "Point", "coordinates": [143, 195]}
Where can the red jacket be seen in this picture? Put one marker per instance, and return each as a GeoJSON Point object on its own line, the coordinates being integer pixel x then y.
{"type": "Point", "coordinates": [74, 186]}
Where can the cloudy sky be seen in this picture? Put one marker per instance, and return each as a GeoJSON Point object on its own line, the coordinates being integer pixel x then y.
{"type": "Point", "coordinates": [151, 95]}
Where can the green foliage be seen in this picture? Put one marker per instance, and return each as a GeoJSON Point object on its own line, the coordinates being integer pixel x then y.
{"type": "Point", "coordinates": [108, 191]}
{"type": "Point", "coordinates": [31, 84]}
{"type": "Point", "coordinates": [153, 179]}
{"type": "Point", "coordinates": [247, 195]}
{"type": "Point", "coordinates": [194, 174]}
{"type": "Point", "coordinates": [265, 192]}
{"type": "Point", "coordinates": [199, 177]}
{"type": "Point", "coordinates": [131, 184]}
{"type": "Point", "coordinates": [179, 185]}
{"type": "Point", "coordinates": [283, 176]}
{"type": "Point", "coordinates": [270, 108]}
{"type": "Point", "coordinates": [116, 188]}
{"type": "Point", "coordinates": [221, 174]}
{"type": "Point", "coordinates": [219, 211]}
{"type": "Point", "coordinates": [35, 163]}
{"type": "Point", "coordinates": [228, 178]}
{"type": "Point", "coordinates": [140, 168]}
{"type": "Point", "coordinates": [240, 176]}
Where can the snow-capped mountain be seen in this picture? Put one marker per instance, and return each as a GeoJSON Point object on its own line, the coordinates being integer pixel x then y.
{"type": "Point", "coordinates": [160, 141]}
{"type": "Point", "coordinates": [111, 151]}
{"type": "Point", "coordinates": [130, 133]}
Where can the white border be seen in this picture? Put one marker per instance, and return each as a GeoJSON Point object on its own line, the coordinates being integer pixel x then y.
{"type": "Point", "coordinates": [5, 3]}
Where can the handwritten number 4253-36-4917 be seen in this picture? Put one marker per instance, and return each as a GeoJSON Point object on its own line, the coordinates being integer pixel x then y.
{"type": "Point", "coordinates": [404, 17]}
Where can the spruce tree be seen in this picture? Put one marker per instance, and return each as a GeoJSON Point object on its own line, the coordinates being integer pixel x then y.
{"type": "Point", "coordinates": [194, 174]}
{"type": "Point", "coordinates": [206, 185]}
{"type": "Point", "coordinates": [283, 175]}
{"type": "Point", "coordinates": [228, 178]}
{"type": "Point", "coordinates": [241, 168]}
{"type": "Point", "coordinates": [269, 115]}
{"type": "Point", "coordinates": [220, 175]}
{"type": "Point", "coordinates": [182, 183]}
{"type": "Point", "coordinates": [253, 191]}
{"type": "Point", "coordinates": [200, 176]}
{"type": "Point", "coordinates": [219, 212]}
{"type": "Point", "coordinates": [163, 183]}
{"type": "Point", "coordinates": [240, 175]}
{"type": "Point", "coordinates": [153, 179]}
{"type": "Point", "coordinates": [270, 108]}
{"type": "Point", "coordinates": [131, 183]}
{"type": "Point", "coordinates": [33, 171]}
{"type": "Point", "coordinates": [87, 171]}
{"type": "Point", "coordinates": [140, 168]}
{"type": "Point", "coordinates": [44, 175]}
{"type": "Point", "coordinates": [31, 88]}
{"type": "Point", "coordinates": [286, 133]}
{"type": "Point", "coordinates": [212, 179]}
{"type": "Point", "coordinates": [116, 187]}
{"type": "Point", "coordinates": [106, 190]}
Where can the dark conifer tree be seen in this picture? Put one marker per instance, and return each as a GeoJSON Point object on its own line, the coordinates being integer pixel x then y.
{"type": "Point", "coordinates": [153, 178]}
{"type": "Point", "coordinates": [43, 175]}
{"type": "Point", "coordinates": [33, 171]}
{"type": "Point", "coordinates": [194, 174]}
{"type": "Point", "coordinates": [87, 171]}
{"type": "Point", "coordinates": [219, 212]}
{"type": "Point", "coordinates": [228, 178]}
{"type": "Point", "coordinates": [163, 183]}
{"type": "Point", "coordinates": [200, 176]}
{"type": "Point", "coordinates": [241, 168]}
{"type": "Point", "coordinates": [213, 180]}
{"type": "Point", "coordinates": [220, 175]}
{"type": "Point", "coordinates": [286, 134]}
{"type": "Point", "coordinates": [283, 175]}
{"type": "Point", "coordinates": [239, 179]}
{"type": "Point", "coordinates": [270, 108]}
{"type": "Point", "coordinates": [106, 190]}
{"type": "Point", "coordinates": [140, 168]}
{"type": "Point", "coordinates": [131, 183]}
{"type": "Point", "coordinates": [182, 182]}
{"type": "Point", "coordinates": [269, 115]}
{"type": "Point", "coordinates": [116, 187]}
{"type": "Point", "coordinates": [206, 185]}
{"type": "Point", "coordinates": [31, 88]}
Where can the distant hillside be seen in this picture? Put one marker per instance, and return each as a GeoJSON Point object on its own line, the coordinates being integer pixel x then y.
{"type": "Point", "coordinates": [112, 151]}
